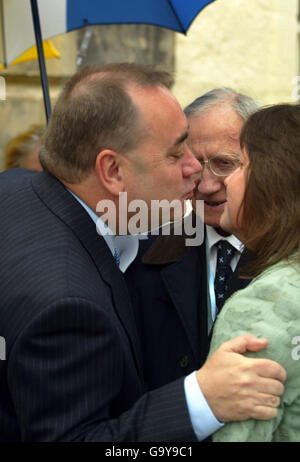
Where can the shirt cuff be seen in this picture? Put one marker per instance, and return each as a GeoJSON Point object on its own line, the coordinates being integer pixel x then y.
{"type": "Point", "coordinates": [204, 422]}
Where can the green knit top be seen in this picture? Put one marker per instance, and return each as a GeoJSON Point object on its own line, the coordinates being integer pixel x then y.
{"type": "Point", "coordinates": [268, 308]}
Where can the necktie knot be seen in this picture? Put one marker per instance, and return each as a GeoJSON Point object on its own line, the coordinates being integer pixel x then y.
{"type": "Point", "coordinates": [225, 252]}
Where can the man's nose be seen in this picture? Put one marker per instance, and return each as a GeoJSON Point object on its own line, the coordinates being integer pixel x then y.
{"type": "Point", "coordinates": [209, 183]}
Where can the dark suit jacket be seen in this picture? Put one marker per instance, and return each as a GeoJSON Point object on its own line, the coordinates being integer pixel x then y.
{"type": "Point", "coordinates": [168, 286]}
{"type": "Point", "coordinates": [73, 368]}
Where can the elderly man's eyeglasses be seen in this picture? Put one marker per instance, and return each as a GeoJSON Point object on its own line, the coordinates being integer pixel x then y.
{"type": "Point", "coordinates": [221, 165]}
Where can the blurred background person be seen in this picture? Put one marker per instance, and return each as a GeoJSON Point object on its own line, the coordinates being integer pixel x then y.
{"type": "Point", "coordinates": [22, 151]}
{"type": "Point", "coordinates": [263, 211]}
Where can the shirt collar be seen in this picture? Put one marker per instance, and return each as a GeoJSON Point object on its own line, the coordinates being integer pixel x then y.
{"type": "Point", "coordinates": [127, 246]}
{"type": "Point", "coordinates": [213, 237]}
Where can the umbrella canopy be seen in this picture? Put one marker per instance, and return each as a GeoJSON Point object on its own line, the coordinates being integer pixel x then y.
{"type": "Point", "coordinates": [31, 54]}
{"type": "Point", "coordinates": [54, 17]}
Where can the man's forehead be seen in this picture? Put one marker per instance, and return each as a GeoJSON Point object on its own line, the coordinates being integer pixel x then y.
{"type": "Point", "coordinates": [210, 146]}
{"type": "Point", "coordinates": [218, 121]}
{"type": "Point", "coordinates": [221, 137]}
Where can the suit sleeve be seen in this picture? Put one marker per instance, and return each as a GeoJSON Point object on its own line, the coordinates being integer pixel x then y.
{"type": "Point", "coordinates": [66, 371]}
{"type": "Point", "coordinates": [266, 311]}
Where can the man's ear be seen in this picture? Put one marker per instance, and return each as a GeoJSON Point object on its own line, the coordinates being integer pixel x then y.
{"type": "Point", "coordinates": [107, 168]}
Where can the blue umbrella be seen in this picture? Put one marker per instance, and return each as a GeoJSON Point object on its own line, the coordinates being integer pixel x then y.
{"type": "Point", "coordinates": [58, 16]}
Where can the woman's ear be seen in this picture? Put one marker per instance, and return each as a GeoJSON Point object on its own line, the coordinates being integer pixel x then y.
{"type": "Point", "coordinates": [107, 168]}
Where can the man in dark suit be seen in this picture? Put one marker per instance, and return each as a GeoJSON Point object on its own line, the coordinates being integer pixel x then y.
{"type": "Point", "coordinates": [172, 284]}
{"type": "Point", "coordinates": [74, 368]}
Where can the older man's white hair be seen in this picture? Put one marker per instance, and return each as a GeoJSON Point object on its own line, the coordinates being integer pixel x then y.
{"type": "Point", "coordinates": [243, 105]}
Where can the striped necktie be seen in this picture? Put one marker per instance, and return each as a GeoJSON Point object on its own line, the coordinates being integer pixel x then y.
{"type": "Point", "coordinates": [225, 252]}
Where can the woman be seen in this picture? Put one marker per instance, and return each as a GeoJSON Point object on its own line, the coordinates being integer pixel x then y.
{"type": "Point", "coordinates": [263, 211]}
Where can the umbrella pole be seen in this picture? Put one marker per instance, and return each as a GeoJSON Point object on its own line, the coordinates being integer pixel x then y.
{"type": "Point", "coordinates": [39, 45]}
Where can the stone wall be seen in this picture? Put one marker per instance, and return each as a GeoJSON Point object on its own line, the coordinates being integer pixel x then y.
{"type": "Point", "coordinates": [250, 45]}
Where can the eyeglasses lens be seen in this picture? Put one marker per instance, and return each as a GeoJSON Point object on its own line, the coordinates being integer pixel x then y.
{"type": "Point", "coordinates": [223, 165]}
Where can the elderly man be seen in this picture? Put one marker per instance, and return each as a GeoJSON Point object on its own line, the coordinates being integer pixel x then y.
{"type": "Point", "coordinates": [215, 121]}
{"type": "Point", "coordinates": [74, 364]}
{"type": "Point", "coordinates": [176, 289]}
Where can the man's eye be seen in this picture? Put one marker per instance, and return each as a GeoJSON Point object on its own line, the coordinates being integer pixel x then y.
{"type": "Point", "coordinates": [177, 156]}
{"type": "Point", "coordinates": [221, 162]}
{"type": "Point", "coordinates": [224, 163]}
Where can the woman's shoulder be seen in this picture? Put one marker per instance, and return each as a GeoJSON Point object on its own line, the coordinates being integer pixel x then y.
{"type": "Point", "coordinates": [269, 307]}
{"type": "Point", "coordinates": [286, 271]}
{"type": "Point", "coordinates": [278, 281]}
{"type": "Point", "coordinates": [266, 307]}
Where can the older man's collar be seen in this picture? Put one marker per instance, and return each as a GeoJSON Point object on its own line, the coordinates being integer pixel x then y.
{"type": "Point", "coordinates": [168, 248]}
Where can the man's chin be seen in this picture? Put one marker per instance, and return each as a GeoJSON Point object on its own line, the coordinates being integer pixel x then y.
{"type": "Point", "coordinates": [213, 221]}
{"type": "Point", "coordinates": [222, 227]}
{"type": "Point", "coordinates": [221, 231]}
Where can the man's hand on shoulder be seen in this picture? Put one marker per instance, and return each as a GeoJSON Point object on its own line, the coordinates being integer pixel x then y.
{"type": "Point", "coordinates": [239, 388]}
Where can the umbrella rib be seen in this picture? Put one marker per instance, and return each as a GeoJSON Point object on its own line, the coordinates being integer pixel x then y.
{"type": "Point", "coordinates": [3, 34]}
{"type": "Point", "coordinates": [176, 15]}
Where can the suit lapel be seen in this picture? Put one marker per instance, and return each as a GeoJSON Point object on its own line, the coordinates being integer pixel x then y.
{"type": "Point", "coordinates": [183, 273]}
{"type": "Point", "coordinates": [68, 210]}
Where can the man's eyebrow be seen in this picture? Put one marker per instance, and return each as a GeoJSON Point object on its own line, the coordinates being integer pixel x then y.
{"type": "Point", "coordinates": [181, 139]}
